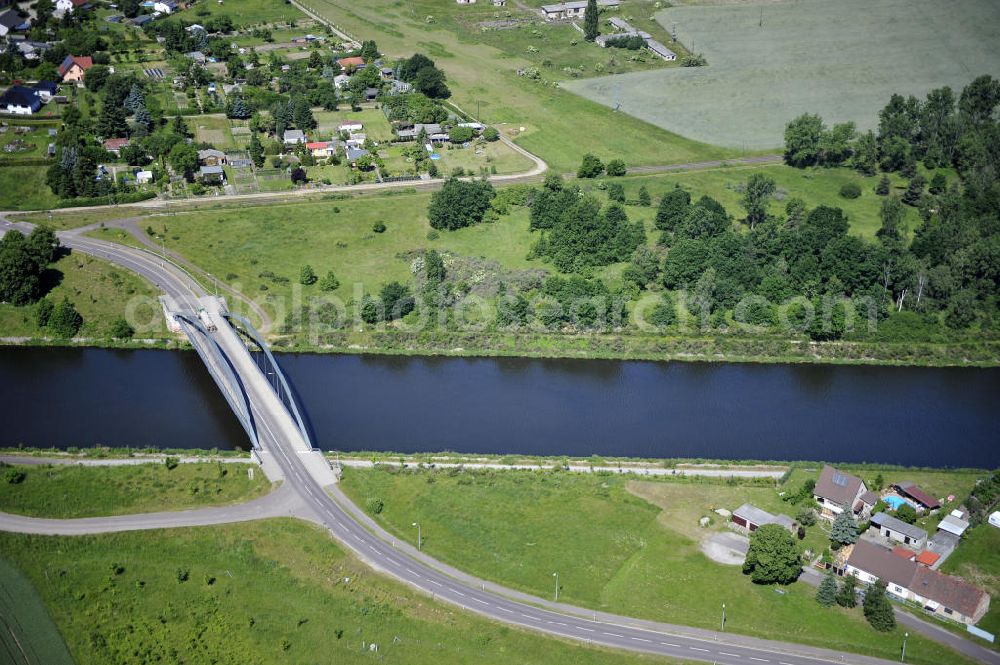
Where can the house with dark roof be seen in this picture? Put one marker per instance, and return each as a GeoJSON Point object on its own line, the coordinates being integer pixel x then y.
{"type": "Point", "coordinates": [10, 21]}
{"type": "Point", "coordinates": [898, 530]}
{"type": "Point", "coordinates": [46, 90]}
{"type": "Point", "coordinates": [944, 595]}
{"type": "Point", "coordinates": [837, 491]}
{"type": "Point", "coordinates": [212, 175]}
{"type": "Point", "coordinates": [573, 9]}
{"type": "Point", "coordinates": [20, 100]}
{"type": "Point", "coordinates": [751, 518]}
{"type": "Point", "coordinates": [74, 67]}
{"type": "Point", "coordinates": [211, 157]}
{"type": "Point", "coordinates": [911, 491]}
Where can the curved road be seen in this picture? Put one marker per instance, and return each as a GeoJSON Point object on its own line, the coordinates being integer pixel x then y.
{"type": "Point", "coordinates": [349, 525]}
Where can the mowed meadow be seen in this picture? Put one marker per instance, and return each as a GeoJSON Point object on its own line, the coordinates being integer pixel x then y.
{"type": "Point", "coordinates": [767, 65]}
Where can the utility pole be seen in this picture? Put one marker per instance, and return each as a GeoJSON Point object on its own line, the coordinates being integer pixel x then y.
{"type": "Point", "coordinates": [556, 575]}
{"type": "Point", "coordinates": [902, 656]}
{"type": "Point", "coordinates": [419, 539]}
{"type": "Point", "coordinates": [723, 617]}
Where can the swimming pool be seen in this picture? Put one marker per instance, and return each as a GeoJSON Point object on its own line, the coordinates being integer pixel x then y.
{"type": "Point", "coordinates": [895, 501]}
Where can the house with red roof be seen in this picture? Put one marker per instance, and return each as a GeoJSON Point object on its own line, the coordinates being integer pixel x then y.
{"type": "Point", "coordinates": [925, 500]}
{"type": "Point", "coordinates": [351, 64]}
{"type": "Point", "coordinates": [115, 146]}
{"type": "Point", "coordinates": [74, 67]}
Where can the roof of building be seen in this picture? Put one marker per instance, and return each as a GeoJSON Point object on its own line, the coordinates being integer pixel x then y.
{"type": "Point", "coordinates": [928, 558]}
{"type": "Point", "coordinates": [837, 486]}
{"type": "Point", "coordinates": [758, 516]}
{"type": "Point", "coordinates": [47, 86]}
{"type": "Point", "coordinates": [576, 4]}
{"type": "Point", "coordinates": [211, 170]}
{"type": "Point", "coordinates": [210, 152]}
{"type": "Point", "coordinates": [354, 153]}
{"type": "Point", "coordinates": [10, 19]}
{"type": "Point", "coordinates": [952, 524]}
{"type": "Point", "coordinates": [18, 95]}
{"type": "Point", "coordinates": [659, 49]}
{"type": "Point", "coordinates": [889, 522]}
{"type": "Point", "coordinates": [952, 592]}
{"type": "Point", "coordinates": [870, 498]}
{"type": "Point", "coordinates": [318, 145]}
{"type": "Point", "coordinates": [914, 492]}
{"type": "Point", "coordinates": [351, 62]}
{"type": "Point", "coordinates": [347, 122]}
{"type": "Point", "coordinates": [196, 55]}
{"type": "Point", "coordinates": [293, 135]}
{"type": "Point", "coordinates": [902, 552]}
{"type": "Point", "coordinates": [84, 62]}
{"type": "Point", "coordinates": [141, 19]}
{"type": "Point", "coordinates": [115, 144]}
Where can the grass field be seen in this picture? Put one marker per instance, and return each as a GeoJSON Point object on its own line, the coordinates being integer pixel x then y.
{"type": "Point", "coordinates": [28, 637]}
{"type": "Point", "coordinates": [24, 188]}
{"type": "Point", "coordinates": [242, 12]}
{"type": "Point", "coordinates": [261, 592]}
{"type": "Point", "coordinates": [92, 491]}
{"type": "Point", "coordinates": [808, 56]}
{"type": "Point", "coordinates": [71, 219]}
{"type": "Point", "coordinates": [100, 292]}
{"type": "Point", "coordinates": [978, 560]}
{"type": "Point", "coordinates": [613, 550]}
{"type": "Point", "coordinates": [559, 126]}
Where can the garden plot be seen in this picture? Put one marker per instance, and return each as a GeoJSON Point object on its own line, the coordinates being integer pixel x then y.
{"type": "Point", "coordinates": [767, 65]}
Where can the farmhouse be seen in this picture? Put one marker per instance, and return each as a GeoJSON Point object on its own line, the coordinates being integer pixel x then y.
{"type": "Point", "coordinates": [575, 9]}
{"type": "Point", "coordinates": [74, 67]}
{"type": "Point", "coordinates": [114, 146]}
{"type": "Point", "coordinates": [954, 523]}
{"type": "Point", "coordinates": [898, 530]}
{"type": "Point", "coordinates": [837, 491]}
{"type": "Point", "coordinates": [20, 100]}
{"type": "Point", "coordinates": [751, 518]}
{"type": "Point", "coordinates": [925, 500]}
{"type": "Point", "coordinates": [941, 594]}
{"type": "Point", "coordinates": [211, 157]}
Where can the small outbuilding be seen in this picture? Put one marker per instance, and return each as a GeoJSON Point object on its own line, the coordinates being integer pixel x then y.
{"type": "Point", "coordinates": [898, 530]}
{"type": "Point", "coordinates": [212, 175]}
{"type": "Point", "coordinates": [751, 518]}
{"type": "Point", "coordinates": [954, 523]}
{"type": "Point", "coordinates": [911, 491]}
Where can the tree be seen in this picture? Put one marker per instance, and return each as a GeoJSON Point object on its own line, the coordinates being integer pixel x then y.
{"type": "Point", "coordinates": [773, 557]}
{"type": "Point", "coordinates": [238, 108]}
{"type": "Point", "coordinates": [906, 513]}
{"type": "Point", "coordinates": [112, 121]}
{"type": "Point", "coordinates": [431, 82]}
{"type": "Point", "coordinates": [616, 168]}
{"type": "Point", "coordinates": [590, 21]}
{"type": "Point", "coordinates": [20, 272]}
{"type": "Point", "coordinates": [329, 282]}
{"type": "Point", "coordinates": [845, 529]}
{"type": "Point", "coordinates": [878, 482]}
{"type": "Point", "coordinates": [369, 50]}
{"type": "Point", "coordinates": [891, 213]}
{"type": "Point", "coordinates": [302, 114]}
{"type": "Point", "coordinates": [97, 76]}
{"type": "Point", "coordinates": [848, 595]}
{"type": "Point", "coordinates": [883, 186]}
{"type": "Point", "coordinates": [461, 134]}
{"type": "Point", "coordinates": [616, 192]}
{"type": "Point", "coordinates": [298, 175]}
{"type": "Point", "coordinates": [878, 609]}
{"type": "Point", "coordinates": [644, 199]}
{"type": "Point", "coordinates": [664, 313]}
{"type": "Point", "coordinates": [756, 196]}
{"type": "Point", "coordinates": [135, 154]}
{"type": "Point", "coordinates": [396, 300]}
{"type": "Point", "coordinates": [491, 134]}
{"type": "Point", "coordinates": [674, 207]}
{"type": "Point", "coordinates": [806, 516]}
{"type": "Point", "coordinates": [142, 121]}
{"type": "Point", "coordinates": [306, 276]}
{"type": "Point", "coordinates": [939, 183]}
{"type": "Point", "coordinates": [43, 312]}
{"type": "Point", "coordinates": [434, 268]}
{"type": "Point", "coordinates": [826, 594]}
{"type": "Point", "coordinates": [802, 140]}
{"type": "Point", "coordinates": [65, 321]}
{"type": "Point", "coordinates": [459, 203]}
{"type": "Point", "coordinates": [120, 329]}
{"type": "Point", "coordinates": [591, 167]}
{"type": "Point", "coordinates": [184, 159]}
{"type": "Point", "coordinates": [915, 190]}
{"type": "Point", "coordinates": [256, 150]}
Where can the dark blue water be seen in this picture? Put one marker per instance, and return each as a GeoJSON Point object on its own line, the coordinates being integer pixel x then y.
{"type": "Point", "coordinates": [913, 416]}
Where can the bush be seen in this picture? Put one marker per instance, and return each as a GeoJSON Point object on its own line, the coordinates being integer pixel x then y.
{"type": "Point", "coordinates": [65, 321]}
{"type": "Point", "coordinates": [806, 517]}
{"type": "Point", "coordinates": [306, 276]}
{"type": "Point", "coordinates": [491, 134]}
{"type": "Point", "coordinates": [378, 227]}
{"type": "Point", "coordinates": [374, 505]}
{"type": "Point", "coordinates": [850, 190]}
{"type": "Point", "coordinates": [120, 329]}
{"type": "Point", "coordinates": [183, 574]}
{"type": "Point", "coordinates": [616, 168]}
{"type": "Point", "coordinates": [591, 167]}
{"type": "Point", "coordinates": [14, 476]}
{"type": "Point", "coordinates": [171, 462]}
{"type": "Point", "coordinates": [329, 282]}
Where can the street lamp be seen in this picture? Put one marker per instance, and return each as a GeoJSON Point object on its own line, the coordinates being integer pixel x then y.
{"type": "Point", "coordinates": [416, 524]}
{"type": "Point", "coordinates": [902, 656]}
{"type": "Point", "coordinates": [723, 617]}
{"type": "Point", "coordinates": [556, 575]}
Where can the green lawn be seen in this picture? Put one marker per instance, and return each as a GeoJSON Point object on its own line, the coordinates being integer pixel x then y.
{"type": "Point", "coordinates": [24, 188]}
{"type": "Point", "coordinates": [92, 491]}
{"type": "Point", "coordinates": [977, 559]}
{"type": "Point", "coordinates": [261, 592]}
{"type": "Point", "coordinates": [29, 636]}
{"type": "Point", "coordinates": [559, 126]}
{"type": "Point", "coordinates": [70, 219]}
{"type": "Point", "coordinates": [101, 293]}
{"type": "Point", "coordinates": [212, 129]}
{"type": "Point", "coordinates": [612, 550]}
{"type": "Point", "coordinates": [767, 65]}
{"type": "Point", "coordinates": [376, 127]}
{"type": "Point", "coordinates": [242, 12]}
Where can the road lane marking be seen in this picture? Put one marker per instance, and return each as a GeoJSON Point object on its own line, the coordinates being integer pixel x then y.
{"type": "Point", "coordinates": [668, 644]}
{"type": "Point", "coordinates": [641, 639]}
{"type": "Point", "coordinates": [459, 593]}
{"type": "Point", "coordinates": [589, 630]}
{"type": "Point", "coordinates": [698, 649]}
{"type": "Point", "coordinates": [613, 635]}
{"type": "Point", "coordinates": [760, 660]}
{"type": "Point", "coordinates": [731, 655]}
{"type": "Point", "coordinates": [480, 601]}
{"type": "Point", "coordinates": [434, 582]}
{"type": "Point", "coordinates": [412, 572]}
{"type": "Point", "coordinates": [505, 609]}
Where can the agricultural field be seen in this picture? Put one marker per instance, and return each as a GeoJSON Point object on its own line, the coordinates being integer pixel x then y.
{"type": "Point", "coordinates": [619, 545]}
{"type": "Point", "coordinates": [100, 292]}
{"type": "Point", "coordinates": [767, 65]}
{"type": "Point", "coordinates": [67, 491]}
{"type": "Point", "coordinates": [259, 592]}
{"type": "Point", "coordinates": [552, 119]}
{"type": "Point", "coordinates": [29, 636]}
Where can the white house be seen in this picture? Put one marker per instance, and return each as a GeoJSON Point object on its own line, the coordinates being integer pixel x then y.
{"type": "Point", "coordinates": [954, 522]}
{"type": "Point", "coordinates": [350, 126]}
{"type": "Point", "coordinates": [165, 6]}
{"type": "Point", "coordinates": [143, 177]}
{"type": "Point", "coordinates": [20, 100]}
{"type": "Point", "coordinates": [575, 9]}
{"type": "Point", "coordinates": [293, 136]}
{"type": "Point", "coordinates": [995, 519]}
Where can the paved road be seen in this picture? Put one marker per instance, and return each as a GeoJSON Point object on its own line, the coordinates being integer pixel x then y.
{"type": "Point", "coordinates": [349, 525]}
